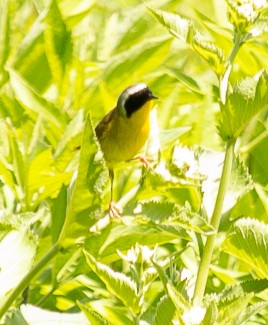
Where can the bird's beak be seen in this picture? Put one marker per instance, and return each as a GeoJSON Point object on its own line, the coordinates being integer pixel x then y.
{"type": "Point", "coordinates": [152, 96]}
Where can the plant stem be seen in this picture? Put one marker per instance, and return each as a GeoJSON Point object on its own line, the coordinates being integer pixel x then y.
{"type": "Point", "coordinates": [28, 277]}
{"type": "Point", "coordinates": [215, 221]}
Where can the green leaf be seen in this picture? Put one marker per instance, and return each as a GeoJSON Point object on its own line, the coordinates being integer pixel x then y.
{"type": "Point", "coordinates": [232, 302]}
{"type": "Point", "coordinates": [207, 166]}
{"type": "Point", "coordinates": [42, 173]}
{"type": "Point", "coordinates": [86, 196]}
{"type": "Point", "coordinates": [118, 284]}
{"type": "Point", "coordinates": [94, 317]}
{"type": "Point", "coordinates": [189, 82]}
{"type": "Point", "coordinates": [58, 213]}
{"type": "Point", "coordinates": [168, 136]}
{"type": "Point", "coordinates": [185, 30]}
{"type": "Point", "coordinates": [34, 315]}
{"type": "Point", "coordinates": [139, 58]}
{"type": "Point", "coordinates": [122, 237]}
{"type": "Point", "coordinates": [31, 101]}
{"type": "Point", "coordinates": [210, 52]}
{"type": "Point", "coordinates": [19, 163]}
{"type": "Point", "coordinates": [168, 214]}
{"type": "Point", "coordinates": [229, 313]}
{"type": "Point", "coordinates": [211, 314]}
{"type": "Point", "coordinates": [180, 27]}
{"type": "Point", "coordinates": [58, 44]}
{"type": "Point", "coordinates": [4, 39]}
{"type": "Point", "coordinates": [248, 241]}
{"type": "Point", "coordinates": [177, 298]}
{"type": "Point", "coordinates": [17, 253]}
{"type": "Point", "coordinates": [242, 15]}
{"type": "Point", "coordinates": [250, 311]}
{"type": "Point", "coordinates": [157, 211]}
{"type": "Point", "coordinates": [165, 311]}
{"type": "Point", "coordinates": [249, 97]}
{"type": "Point", "coordinates": [260, 28]}
{"type": "Point", "coordinates": [74, 12]}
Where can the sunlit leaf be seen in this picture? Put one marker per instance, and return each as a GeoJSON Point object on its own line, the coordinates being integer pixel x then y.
{"type": "Point", "coordinates": [86, 196]}
{"type": "Point", "coordinates": [34, 315]}
{"type": "Point", "coordinates": [94, 317]}
{"type": "Point", "coordinates": [30, 100]}
{"type": "Point", "coordinates": [164, 312]}
{"type": "Point", "coordinates": [185, 30]}
{"type": "Point", "coordinates": [210, 52]}
{"type": "Point", "coordinates": [4, 38]}
{"type": "Point", "coordinates": [123, 287]}
{"type": "Point", "coordinates": [177, 298]}
{"type": "Point", "coordinates": [180, 27]}
{"type": "Point", "coordinates": [17, 252]}
{"type": "Point", "coordinates": [249, 97]}
{"type": "Point", "coordinates": [230, 311]}
{"type": "Point", "coordinates": [42, 171]}
{"type": "Point", "coordinates": [58, 44]}
{"type": "Point", "coordinates": [248, 241]}
{"type": "Point", "coordinates": [207, 167]}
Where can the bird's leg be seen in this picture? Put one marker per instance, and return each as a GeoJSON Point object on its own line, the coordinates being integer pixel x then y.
{"type": "Point", "coordinates": [114, 211]}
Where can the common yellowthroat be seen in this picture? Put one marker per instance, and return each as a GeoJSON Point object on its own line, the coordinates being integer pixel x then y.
{"type": "Point", "coordinates": [125, 129]}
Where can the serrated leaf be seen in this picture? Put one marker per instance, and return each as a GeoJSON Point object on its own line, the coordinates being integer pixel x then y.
{"type": "Point", "coordinates": [211, 314]}
{"type": "Point", "coordinates": [184, 30]}
{"type": "Point", "coordinates": [177, 298]}
{"type": "Point", "coordinates": [177, 26]}
{"type": "Point", "coordinates": [86, 196]}
{"type": "Point", "coordinates": [211, 53]}
{"type": "Point", "coordinates": [229, 313]}
{"type": "Point", "coordinates": [248, 241]}
{"type": "Point", "coordinates": [193, 221]}
{"type": "Point", "coordinates": [157, 211]}
{"type": "Point", "coordinates": [168, 214]}
{"type": "Point", "coordinates": [249, 97]}
{"type": "Point", "coordinates": [250, 311]}
{"type": "Point", "coordinates": [233, 292]}
{"type": "Point", "coordinates": [120, 237]}
{"type": "Point", "coordinates": [260, 28]}
{"type": "Point", "coordinates": [165, 311]}
{"type": "Point", "coordinates": [118, 284]}
{"type": "Point", "coordinates": [94, 317]}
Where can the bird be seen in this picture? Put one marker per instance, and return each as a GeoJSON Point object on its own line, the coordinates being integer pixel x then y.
{"type": "Point", "coordinates": [124, 130]}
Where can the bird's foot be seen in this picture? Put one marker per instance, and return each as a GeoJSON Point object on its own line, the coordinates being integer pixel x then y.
{"type": "Point", "coordinates": [146, 161]}
{"type": "Point", "coordinates": [114, 211]}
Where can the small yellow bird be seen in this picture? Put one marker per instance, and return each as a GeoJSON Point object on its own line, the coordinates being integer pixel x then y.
{"type": "Point", "coordinates": [124, 130]}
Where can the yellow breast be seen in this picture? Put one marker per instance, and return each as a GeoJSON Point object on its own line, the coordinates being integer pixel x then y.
{"type": "Point", "coordinates": [126, 136]}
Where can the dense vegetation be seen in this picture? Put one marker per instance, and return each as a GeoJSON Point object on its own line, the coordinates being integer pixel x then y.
{"type": "Point", "coordinates": [191, 247]}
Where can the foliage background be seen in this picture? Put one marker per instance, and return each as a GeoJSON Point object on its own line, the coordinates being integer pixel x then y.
{"type": "Point", "coordinates": [60, 60]}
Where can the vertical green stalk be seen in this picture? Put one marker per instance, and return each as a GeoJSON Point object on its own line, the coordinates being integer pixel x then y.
{"type": "Point", "coordinates": [203, 270]}
{"type": "Point", "coordinates": [215, 221]}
